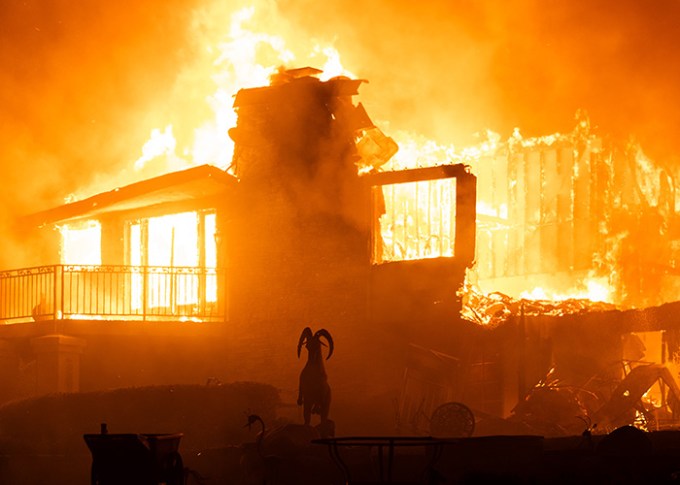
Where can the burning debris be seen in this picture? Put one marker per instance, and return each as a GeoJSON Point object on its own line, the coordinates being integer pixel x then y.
{"type": "Point", "coordinates": [558, 210]}
{"type": "Point", "coordinates": [496, 308]}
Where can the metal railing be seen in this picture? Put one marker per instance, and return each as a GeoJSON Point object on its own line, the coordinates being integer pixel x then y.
{"type": "Point", "coordinates": [111, 292]}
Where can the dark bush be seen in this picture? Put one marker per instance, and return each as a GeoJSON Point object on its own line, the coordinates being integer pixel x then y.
{"type": "Point", "coordinates": [209, 416]}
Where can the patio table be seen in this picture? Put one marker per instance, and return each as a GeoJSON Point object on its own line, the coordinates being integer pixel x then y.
{"type": "Point", "coordinates": [385, 447]}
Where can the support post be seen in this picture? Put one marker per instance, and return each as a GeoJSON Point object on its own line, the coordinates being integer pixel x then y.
{"type": "Point", "coordinates": [57, 363]}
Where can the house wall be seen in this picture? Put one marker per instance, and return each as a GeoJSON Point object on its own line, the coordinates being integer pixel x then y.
{"type": "Point", "coordinates": [295, 240]}
{"type": "Point", "coordinates": [298, 254]}
{"type": "Point", "coordinates": [562, 209]}
{"type": "Point", "coordinates": [113, 245]}
{"type": "Point", "coordinates": [365, 370]}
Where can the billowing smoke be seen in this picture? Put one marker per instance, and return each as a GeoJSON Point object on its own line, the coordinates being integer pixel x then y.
{"type": "Point", "coordinates": [451, 68]}
{"type": "Point", "coordinates": [80, 84]}
{"type": "Point", "coordinates": [83, 84]}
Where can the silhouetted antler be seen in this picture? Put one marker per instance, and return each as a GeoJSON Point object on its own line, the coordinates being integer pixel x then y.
{"type": "Point", "coordinates": [326, 334]}
{"type": "Point", "coordinates": [304, 337]}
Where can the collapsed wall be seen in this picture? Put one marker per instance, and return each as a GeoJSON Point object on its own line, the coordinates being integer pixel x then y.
{"type": "Point", "coordinates": [558, 211]}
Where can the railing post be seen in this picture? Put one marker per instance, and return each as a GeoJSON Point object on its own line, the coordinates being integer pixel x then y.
{"type": "Point", "coordinates": [223, 293]}
{"type": "Point", "coordinates": [27, 294]}
{"type": "Point", "coordinates": [173, 290]}
{"type": "Point", "coordinates": [202, 278]}
{"type": "Point", "coordinates": [58, 291]}
{"type": "Point", "coordinates": [145, 287]}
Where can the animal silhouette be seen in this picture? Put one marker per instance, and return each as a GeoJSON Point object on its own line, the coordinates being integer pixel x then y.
{"type": "Point", "coordinates": [314, 393]}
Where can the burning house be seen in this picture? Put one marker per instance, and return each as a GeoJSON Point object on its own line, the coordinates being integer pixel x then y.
{"type": "Point", "coordinates": [202, 273]}
{"type": "Point", "coordinates": [207, 273]}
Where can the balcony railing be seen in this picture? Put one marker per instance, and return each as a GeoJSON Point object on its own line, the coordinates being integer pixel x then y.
{"type": "Point", "coordinates": [154, 293]}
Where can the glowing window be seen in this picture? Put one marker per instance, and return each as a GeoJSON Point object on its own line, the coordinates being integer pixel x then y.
{"type": "Point", "coordinates": [171, 246]}
{"type": "Point", "coordinates": [173, 240]}
{"type": "Point", "coordinates": [210, 243]}
{"type": "Point", "coordinates": [81, 243]}
{"type": "Point", "coordinates": [210, 240]}
{"type": "Point", "coordinates": [416, 220]}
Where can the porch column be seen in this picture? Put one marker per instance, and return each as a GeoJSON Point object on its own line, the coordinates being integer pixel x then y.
{"type": "Point", "coordinates": [57, 359]}
{"type": "Point", "coordinates": [9, 370]}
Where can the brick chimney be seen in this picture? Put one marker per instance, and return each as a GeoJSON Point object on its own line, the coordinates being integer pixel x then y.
{"type": "Point", "coordinates": [299, 241]}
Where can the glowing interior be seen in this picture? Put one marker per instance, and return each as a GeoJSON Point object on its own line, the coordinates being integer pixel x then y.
{"type": "Point", "coordinates": [81, 243]}
{"type": "Point", "coordinates": [245, 48]}
{"type": "Point", "coordinates": [169, 243]}
{"type": "Point", "coordinates": [419, 220]}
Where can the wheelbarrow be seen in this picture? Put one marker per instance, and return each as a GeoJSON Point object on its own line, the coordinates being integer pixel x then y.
{"type": "Point", "coordinates": [135, 459]}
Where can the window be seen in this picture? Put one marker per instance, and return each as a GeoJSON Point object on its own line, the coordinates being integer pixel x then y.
{"type": "Point", "coordinates": [173, 240]}
{"type": "Point", "coordinates": [81, 243]}
{"type": "Point", "coordinates": [415, 220]}
{"type": "Point", "coordinates": [180, 253]}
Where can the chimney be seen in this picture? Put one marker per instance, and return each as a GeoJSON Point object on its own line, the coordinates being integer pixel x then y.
{"type": "Point", "coordinates": [299, 241]}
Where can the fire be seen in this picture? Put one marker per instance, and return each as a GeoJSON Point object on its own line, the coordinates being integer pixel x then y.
{"type": "Point", "coordinates": [169, 245]}
{"type": "Point", "coordinates": [593, 289]}
{"type": "Point", "coordinates": [238, 56]}
{"type": "Point", "coordinates": [532, 192]}
{"type": "Point", "coordinates": [419, 220]}
{"type": "Point", "coordinates": [161, 143]}
{"type": "Point", "coordinates": [80, 244]}
{"type": "Point", "coordinates": [236, 62]}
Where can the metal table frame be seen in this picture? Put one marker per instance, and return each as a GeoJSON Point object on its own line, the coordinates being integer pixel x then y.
{"type": "Point", "coordinates": [385, 445]}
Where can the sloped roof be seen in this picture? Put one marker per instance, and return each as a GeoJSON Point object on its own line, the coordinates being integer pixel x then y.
{"type": "Point", "coordinates": [195, 183]}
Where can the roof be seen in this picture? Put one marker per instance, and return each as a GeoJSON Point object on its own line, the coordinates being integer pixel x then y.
{"type": "Point", "coordinates": [191, 184]}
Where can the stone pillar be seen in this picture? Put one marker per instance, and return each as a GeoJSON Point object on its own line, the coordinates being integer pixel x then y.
{"type": "Point", "coordinates": [57, 359]}
{"type": "Point", "coordinates": [9, 370]}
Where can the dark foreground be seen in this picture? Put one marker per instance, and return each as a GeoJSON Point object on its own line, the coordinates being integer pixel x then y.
{"type": "Point", "coordinates": [625, 456]}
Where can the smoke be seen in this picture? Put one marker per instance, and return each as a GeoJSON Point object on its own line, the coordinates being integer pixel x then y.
{"type": "Point", "coordinates": [77, 84]}
{"type": "Point", "coordinates": [83, 84]}
{"type": "Point", "coordinates": [449, 69]}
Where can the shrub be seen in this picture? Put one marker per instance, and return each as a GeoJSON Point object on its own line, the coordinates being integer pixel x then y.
{"type": "Point", "coordinates": [209, 416]}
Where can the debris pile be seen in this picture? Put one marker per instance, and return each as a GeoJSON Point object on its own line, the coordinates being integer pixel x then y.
{"type": "Point", "coordinates": [496, 308]}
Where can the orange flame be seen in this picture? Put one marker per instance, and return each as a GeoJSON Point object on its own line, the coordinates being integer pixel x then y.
{"type": "Point", "coordinates": [249, 50]}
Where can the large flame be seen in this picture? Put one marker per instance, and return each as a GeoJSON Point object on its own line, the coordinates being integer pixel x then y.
{"type": "Point", "coordinates": [593, 289]}
{"type": "Point", "coordinates": [241, 49]}
{"type": "Point", "coordinates": [243, 52]}
{"type": "Point", "coordinates": [244, 48]}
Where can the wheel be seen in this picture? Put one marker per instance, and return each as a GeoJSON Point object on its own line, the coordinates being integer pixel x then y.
{"type": "Point", "coordinates": [452, 420]}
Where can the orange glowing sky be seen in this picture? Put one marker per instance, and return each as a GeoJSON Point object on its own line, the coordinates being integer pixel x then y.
{"type": "Point", "coordinates": [83, 83]}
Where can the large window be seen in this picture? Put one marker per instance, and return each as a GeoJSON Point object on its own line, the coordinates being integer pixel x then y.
{"type": "Point", "coordinates": [173, 240]}
{"type": "Point", "coordinates": [416, 220]}
{"type": "Point", "coordinates": [180, 254]}
{"type": "Point", "coordinates": [81, 243]}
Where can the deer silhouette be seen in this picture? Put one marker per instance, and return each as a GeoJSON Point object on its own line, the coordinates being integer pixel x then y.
{"type": "Point", "coordinates": [314, 393]}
